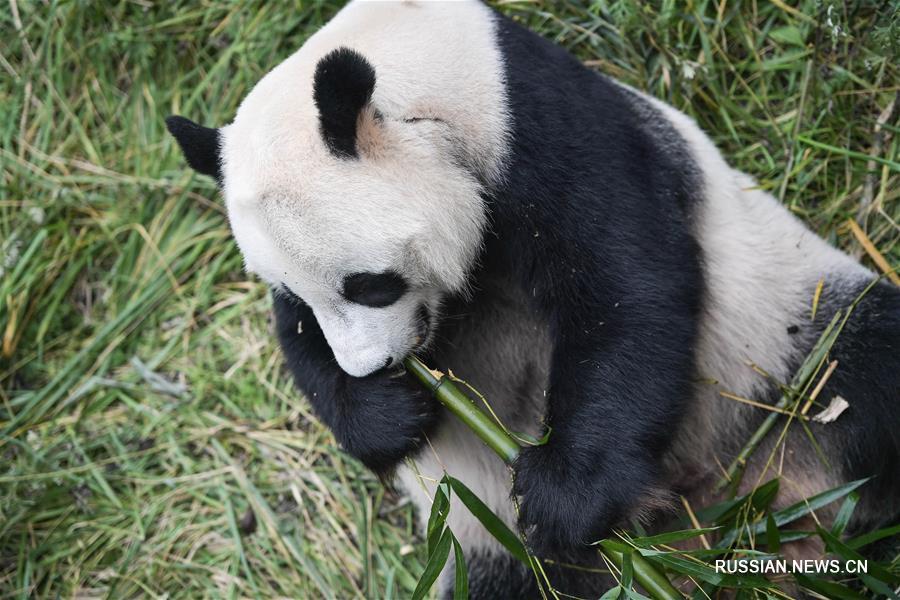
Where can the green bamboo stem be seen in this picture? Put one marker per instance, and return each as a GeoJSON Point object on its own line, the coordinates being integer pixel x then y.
{"type": "Point", "coordinates": [460, 405]}
{"type": "Point", "coordinates": [653, 581]}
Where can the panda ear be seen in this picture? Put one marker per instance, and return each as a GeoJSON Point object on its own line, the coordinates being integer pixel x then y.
{"type": "Point", "coordinates": [199, 144]}
{"type": "Point", "coordinates": [342, 89]}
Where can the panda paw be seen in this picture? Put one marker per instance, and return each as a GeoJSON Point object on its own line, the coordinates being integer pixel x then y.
{"type": "Point", "coordinates": [565, 505]}
{"type": "Point", "coordinates": [388, 417]}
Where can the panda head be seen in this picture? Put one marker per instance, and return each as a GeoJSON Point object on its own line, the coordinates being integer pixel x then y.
{"type": "Point", "coordinates": [347, 197]}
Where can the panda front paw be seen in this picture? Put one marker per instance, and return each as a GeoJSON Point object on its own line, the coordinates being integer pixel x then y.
{"type": "Point", "coordinates": [387, 418]}
{"type": "Point", "coordinates": [565, 502]}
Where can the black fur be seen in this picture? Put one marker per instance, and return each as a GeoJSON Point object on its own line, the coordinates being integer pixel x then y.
{"type": "Point", "coordinates": [865, 440]}
{"type": "Point", "coordinates": [199, 144]}
{"type": "Point", "coordinates": [379, 419]}
{"type": "Point", "coordinates": [615, 272]}
{"type": "Point", "coordinates": [343, 85]}
{"type": "Point", "coordinates": [374, 289]}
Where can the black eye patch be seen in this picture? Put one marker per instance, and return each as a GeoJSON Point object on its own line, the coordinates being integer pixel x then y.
{"type": "Point", "coordinates": [374, 289]}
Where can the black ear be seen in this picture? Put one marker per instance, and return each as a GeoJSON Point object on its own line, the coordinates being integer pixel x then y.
{"type": "Point", "coordinates": [342, 87]}
{"type": "Point", "coordinates": [199, 144]}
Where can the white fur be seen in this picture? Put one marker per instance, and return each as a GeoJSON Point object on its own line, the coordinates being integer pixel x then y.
{"type": "Point", "coordinates": [306, 219]}
{"type": "Point", "coordinates": [455, 450]}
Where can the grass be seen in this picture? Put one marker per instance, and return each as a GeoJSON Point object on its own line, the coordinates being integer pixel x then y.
{"type": "Point", "coordinates": [150, 443]}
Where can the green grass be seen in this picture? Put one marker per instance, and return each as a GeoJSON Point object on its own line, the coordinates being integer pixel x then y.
{"type": "Point", "coordinates": [150, 442]}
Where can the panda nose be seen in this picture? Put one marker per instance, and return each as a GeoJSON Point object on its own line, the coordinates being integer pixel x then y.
{"type": "Point", "coordinates": [388, 362]}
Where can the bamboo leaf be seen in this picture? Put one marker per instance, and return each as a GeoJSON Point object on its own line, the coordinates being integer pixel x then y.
{"type": "Point", "coordinates": [849, 153]}
{"type": "Point", "coordinates": [804, 507]}
{"type": "Point", "coordinates": [725, 511]}
{"type": "Point", "coordinates": [491, 522]}
{"type": "Point", "coordinates": [788, 34]}
{"type": "Point", "coordinates": [761, 498]}
{"type": "Point", "coordinates": [828, 589]}
{"type": "Point", "coordinates": [704, 572]}
{"type": "Point", "coordinates": [773, 540]}
{"type": "Point", "coordinates": [794, 535]}
{"type": "Point", "coordinates": [704, 591]}
{"type": "Point", "coordinates": [884, 577]}
{"type": "Point", "coordinates": [627, 570]}
{"type": "Point", "coordinates": [845, 513]}
{"type": "Point", "coordinates": [612, 593]}
{"type": "Point", "coordinates": [440, 508]}
{"type": "Point", "coordinates": [797, 510]}
{"type": "Point", "coordinates": [635, 595]}
{"type": "Point", "coordinates": [703, 553]}
{"type": "Point", "coordinates": [671, 537]}
{"type": "Point", "coordinates": [436, 562]}
{"type": "Point", "coordinates": [461, 579]}
{"type": "Point", "coordinates": [873, 536]}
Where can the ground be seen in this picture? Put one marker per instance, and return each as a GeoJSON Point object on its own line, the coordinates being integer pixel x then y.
{"type": "Point", "coordinates": [150, 441]}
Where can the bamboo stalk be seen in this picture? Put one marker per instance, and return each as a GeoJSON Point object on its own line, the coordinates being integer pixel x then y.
{"type": "Point", "coordinates": [460, 405]}
{"type": "Point", "coordinates": [652, 580]}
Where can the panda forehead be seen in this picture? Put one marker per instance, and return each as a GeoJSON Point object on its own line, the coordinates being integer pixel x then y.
{"type": "Point", "coordinates": [329, 238]}
{"type": "Point", "coordinates": [345, 201]}
{"type": "Point", "coordinates": [320, 209]}
{"type": "Point", "coordinates": [265, 163]}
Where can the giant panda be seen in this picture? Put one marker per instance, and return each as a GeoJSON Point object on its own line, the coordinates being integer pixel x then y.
{"type": "Point", "coordinates": [433, 178]}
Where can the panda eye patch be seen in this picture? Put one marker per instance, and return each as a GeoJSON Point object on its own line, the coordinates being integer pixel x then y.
{"type": "Point", "coordinates": [374, 289]}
